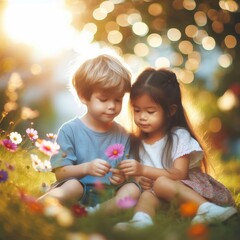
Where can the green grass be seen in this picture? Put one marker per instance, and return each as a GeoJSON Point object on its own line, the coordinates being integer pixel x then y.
{"type": "Point", "coordinates": [18, 221]}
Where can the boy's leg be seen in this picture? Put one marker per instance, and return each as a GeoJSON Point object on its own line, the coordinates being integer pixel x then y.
{"type": "Point", "coordinates": [69, 192]}
{"type": "Point", "coordinates": [131, 190]}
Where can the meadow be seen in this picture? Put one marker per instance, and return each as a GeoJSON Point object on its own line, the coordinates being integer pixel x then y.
{"type": "Point", "coordinates": [25, 174]}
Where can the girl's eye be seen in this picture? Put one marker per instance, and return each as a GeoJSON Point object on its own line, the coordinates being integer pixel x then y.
{"type": "Point", "coordinates": [151, 112]}
{"type": "Point", "coordinates": [102, 99]}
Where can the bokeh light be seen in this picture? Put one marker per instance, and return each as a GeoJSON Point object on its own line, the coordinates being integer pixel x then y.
{"type": "Point", "coordinates": [154, 40]}
{"type": "Point", "coordinates": [225, 60]}
{"type": "Point", "coordinates": [36, 32]}
{"type": "Point", "coordinates": [208, 43]}
{"type": "Point", "coordinates": [174, 34]}
{"type": "Point", "coordinates": [215, 125]}
{"type": "Point", "coordinates": [155, 9]}
{"type": "Point", "coordinates": [140, 28]}
{"type": "Point", "coordinates": [227, 101]}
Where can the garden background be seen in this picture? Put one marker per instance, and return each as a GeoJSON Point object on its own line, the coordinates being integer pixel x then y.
{"type": "Point", "coordinates": [42, 42]}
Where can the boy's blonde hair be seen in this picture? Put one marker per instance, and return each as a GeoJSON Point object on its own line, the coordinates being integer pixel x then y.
{"type": "Point", "coordinates": [104, 73]}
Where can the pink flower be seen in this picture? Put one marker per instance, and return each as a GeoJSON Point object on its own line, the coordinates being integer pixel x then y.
{"type": "Point", "coordinates": [115, 151]}
{"type": "Point", "coordinates": [126, 202]}
{"type": "Point", "coordinates": [9, 145]}
{"type": "Point", "coordinates": [51, 135]}
{"type": "Point", "coordinates": [47, 147]}
{"type": "Point", "coordinates": [32, 134]}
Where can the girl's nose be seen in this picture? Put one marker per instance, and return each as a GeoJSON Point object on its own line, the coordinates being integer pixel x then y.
{"type": "Point", "coordinates": [143, 116]}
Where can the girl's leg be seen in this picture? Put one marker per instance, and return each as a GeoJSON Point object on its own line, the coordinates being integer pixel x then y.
{"type": "Point", "coordinates": [145, 210]}
{"type": "Point", "coordinates": [208, 212]}
{"type": "Point", "coordinates": [148, 203]}
{"type": "Point", "coordinates": [69, 192]}
{"type": "Point", "coordinates": [169, 189]}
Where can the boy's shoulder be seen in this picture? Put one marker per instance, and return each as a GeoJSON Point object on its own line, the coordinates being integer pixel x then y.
{"type": "Point", "coordinates": [72, 123]}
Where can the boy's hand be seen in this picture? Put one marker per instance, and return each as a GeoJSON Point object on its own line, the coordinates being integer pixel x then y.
{"type": "Point", "coordinates": [117, 176]}
{"type": "Point", "coordinates": [146, 183]}
{"type": "Point", "coordinates": [131, 167]}
{"type": "Point", "coordinates": [98, 167]}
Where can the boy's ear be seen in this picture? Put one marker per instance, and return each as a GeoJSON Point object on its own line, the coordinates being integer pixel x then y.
{"type": "Point", "coordinates": [173, 109]}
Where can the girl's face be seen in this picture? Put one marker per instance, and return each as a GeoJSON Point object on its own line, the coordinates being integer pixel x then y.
{"type": "Point", "coordinates": [149, 117]}
{"type": "Point", "coordinates": [103, 107]}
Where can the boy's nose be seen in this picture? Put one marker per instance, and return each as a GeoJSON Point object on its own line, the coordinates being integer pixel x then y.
{"type": "Point", "coordinates": [111, 105]}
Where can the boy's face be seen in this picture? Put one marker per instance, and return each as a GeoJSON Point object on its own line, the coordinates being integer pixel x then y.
{"type": "Point", "coordinates": [104, 106]}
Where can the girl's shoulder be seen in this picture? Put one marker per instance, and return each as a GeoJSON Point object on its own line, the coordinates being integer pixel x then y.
{"type": "Point", "coordinates": [181, 132]}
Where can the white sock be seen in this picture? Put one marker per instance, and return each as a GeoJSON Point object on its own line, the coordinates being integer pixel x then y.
{"type": "Point", "coordinates": [92, 210]}
{"type": "Point", "coordinates": [142, 217]}
{"type": "Point", "coordinates": [204, 207]}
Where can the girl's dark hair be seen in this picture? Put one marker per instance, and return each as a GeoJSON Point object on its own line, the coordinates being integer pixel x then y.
{"type": "Point", "coordinates": [162, 86]}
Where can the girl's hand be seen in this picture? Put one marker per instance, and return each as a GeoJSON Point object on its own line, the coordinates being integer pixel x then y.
{"type": "Point", "coordinates": [117, 176]}
{"type": "Point", "coordinates": [131, 167]}
{"type": "Point", "coordinates": [146, 183]}
{"type": "Point", "coordinates": [98, 167]}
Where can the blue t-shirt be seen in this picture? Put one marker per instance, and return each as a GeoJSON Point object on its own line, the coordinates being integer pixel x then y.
{"type": "Point", "coordinates": [79, 144]}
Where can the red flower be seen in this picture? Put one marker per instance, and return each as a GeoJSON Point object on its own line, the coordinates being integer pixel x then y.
{"type": "Point", "coordinates": [78, 210]}
{"type": "Point", "coordinates": [98, 185]}
{"type": "Point", "coordinates": [197, 231]}
{"type": "Point", "coordinates": [188, 209]}
{"type": "Point", "coordinates": [31, 202]}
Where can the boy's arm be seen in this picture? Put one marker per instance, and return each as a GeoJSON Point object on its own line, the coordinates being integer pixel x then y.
{"type": "Point", "coordinates": [97, 167]}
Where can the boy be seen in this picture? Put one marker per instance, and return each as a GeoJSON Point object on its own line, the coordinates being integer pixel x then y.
{"type": "Point", "coordinates": [100, 84]}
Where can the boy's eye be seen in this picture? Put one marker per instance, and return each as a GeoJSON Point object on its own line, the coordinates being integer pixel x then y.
{"type": "Point", "coordinates": [136, 110]}
{"type": "Point", "coordinates": [103, 99]}
{"type": "Point", "coordinates": [119, 100]}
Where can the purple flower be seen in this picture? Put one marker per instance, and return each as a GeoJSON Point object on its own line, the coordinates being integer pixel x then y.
{"type": "Point", "coordinates": [126, 202]}
{"type": "Point", "coordinates": [3, 176]}
{"type": "Point", "coordinates": [115, 151]}
{"type": "Point", "coordinates": [9, 145]}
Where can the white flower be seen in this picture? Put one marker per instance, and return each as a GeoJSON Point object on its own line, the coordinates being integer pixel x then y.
{"type": "Point", "coordinates": [39, 165]}
{"type": "Point", "coordinates": [15, 137]}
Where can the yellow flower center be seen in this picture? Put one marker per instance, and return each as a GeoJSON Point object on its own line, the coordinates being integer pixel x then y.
{"type": "Point", "coordinates": [115, 152]}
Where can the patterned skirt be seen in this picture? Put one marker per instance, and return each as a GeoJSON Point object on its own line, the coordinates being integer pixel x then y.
{"type": "Point", "coordinates": [209, 188]}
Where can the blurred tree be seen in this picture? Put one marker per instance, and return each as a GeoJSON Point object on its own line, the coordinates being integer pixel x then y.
{"type": "Point", "coordinates": [195, 31]}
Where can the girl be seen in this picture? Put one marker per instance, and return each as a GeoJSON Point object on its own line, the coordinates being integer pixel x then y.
{"type": "Point", "coordinates": [170, 157]}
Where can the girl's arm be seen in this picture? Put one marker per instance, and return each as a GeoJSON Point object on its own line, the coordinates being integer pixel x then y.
{"type": "Point", "coordinates": [97, 167]}
{"type": "Point", "coordinates": [178, 171]}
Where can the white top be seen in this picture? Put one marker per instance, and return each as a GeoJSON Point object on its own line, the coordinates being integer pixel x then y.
{"type": "Point", "coordinates": [183, 144]}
